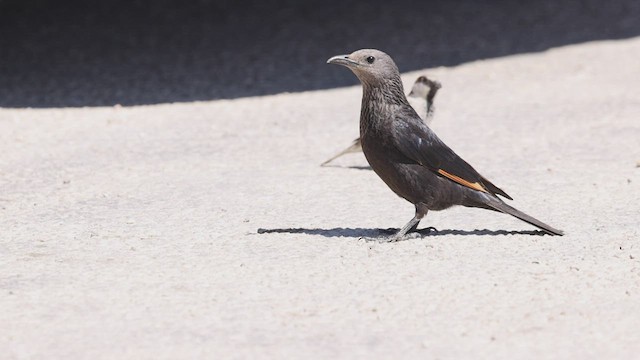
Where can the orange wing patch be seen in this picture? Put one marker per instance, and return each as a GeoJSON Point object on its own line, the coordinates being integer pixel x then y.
{"type": "Point", "coordinates": [461, 181]}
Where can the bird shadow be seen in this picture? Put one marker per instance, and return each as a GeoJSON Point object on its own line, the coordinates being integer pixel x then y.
{"type": "Point", "coordinates": [377, 232]}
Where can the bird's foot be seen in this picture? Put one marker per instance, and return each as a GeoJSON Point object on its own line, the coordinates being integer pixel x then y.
{"type": "Point", "coordinates": [415, 234]}
{"type": "Point", "coordinates": [397, 237]}
{"type": "Point", "coordinates": [393, 235]}
{"type": "Point", "coordinates": [384, 236]}
{"type": "Point", "coordinates": [391, 239]}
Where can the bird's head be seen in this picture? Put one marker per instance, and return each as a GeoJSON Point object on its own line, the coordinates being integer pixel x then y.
{"type": "Point", "coordinates": [423, 86]}
{"type": "Point", "coordinates": [371, 66]}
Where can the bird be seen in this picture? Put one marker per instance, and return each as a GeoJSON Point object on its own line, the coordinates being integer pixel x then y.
{"type": "Point", "coordinates": [420, 98]}
{"type": "Point", "coordinates": [408, 156]}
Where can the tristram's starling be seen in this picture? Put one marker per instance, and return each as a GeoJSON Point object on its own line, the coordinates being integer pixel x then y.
{"type": "Point", "coordinates": [408, 156]}
{"type": "Point", "coordinates": [420, 98]}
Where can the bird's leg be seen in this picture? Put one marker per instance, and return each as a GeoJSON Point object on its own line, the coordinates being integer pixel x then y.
{"type": "Point", "coordinates": [414, 228]}
{"type": "Point", "coordinates": [412, 225]}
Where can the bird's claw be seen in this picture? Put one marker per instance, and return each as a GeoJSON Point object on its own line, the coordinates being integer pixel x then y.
{"type": "Point", "coordinates": [416, 234]}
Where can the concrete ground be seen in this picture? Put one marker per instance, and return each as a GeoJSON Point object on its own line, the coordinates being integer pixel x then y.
{"type": "Point", "coordinates": [207, 229]}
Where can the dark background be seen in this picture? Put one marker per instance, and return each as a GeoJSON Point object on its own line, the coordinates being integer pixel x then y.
{"type": "Point", "coordinates": [86, 53]}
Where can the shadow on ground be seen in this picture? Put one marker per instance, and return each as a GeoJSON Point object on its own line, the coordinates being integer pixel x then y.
{"type": "Point", "coordinates": [378, 233]}
{"type": "Point", "coordinates": [85, 53]}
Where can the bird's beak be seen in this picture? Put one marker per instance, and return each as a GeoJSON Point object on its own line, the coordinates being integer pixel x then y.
{"type": "Point", "coordinates": [343, 60]}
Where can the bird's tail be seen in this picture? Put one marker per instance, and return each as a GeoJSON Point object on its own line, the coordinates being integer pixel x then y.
{"type": "Point", "coordinates": [355, 147]}
{"type": "Point", "coordinates": [497, 204]}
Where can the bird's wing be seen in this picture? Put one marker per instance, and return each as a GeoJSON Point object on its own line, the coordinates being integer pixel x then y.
{"type": "Point", "coordinates": [419, 143]}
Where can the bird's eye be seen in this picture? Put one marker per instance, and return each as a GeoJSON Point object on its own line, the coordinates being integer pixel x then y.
{"type": "Point", "coordinates": [370, 59]}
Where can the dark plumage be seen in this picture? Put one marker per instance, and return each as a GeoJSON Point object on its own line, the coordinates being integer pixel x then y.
{"type": "Point", "coordinates": [420, 98]}
{"type": "Point", "coordinates": [408, 156]}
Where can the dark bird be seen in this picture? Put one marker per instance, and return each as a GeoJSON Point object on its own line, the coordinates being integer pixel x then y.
{"type": "Point", "coordinates": [421, 100]}
{"type": "Point", "coordinates": [408, 156]}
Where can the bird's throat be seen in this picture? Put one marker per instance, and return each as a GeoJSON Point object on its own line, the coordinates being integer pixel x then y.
{"type": "Point", "coordinates": [379, 101]}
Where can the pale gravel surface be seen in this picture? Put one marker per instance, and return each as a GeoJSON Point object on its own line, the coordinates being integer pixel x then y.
{"type": "Point", "coordinates": [132, 232]}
